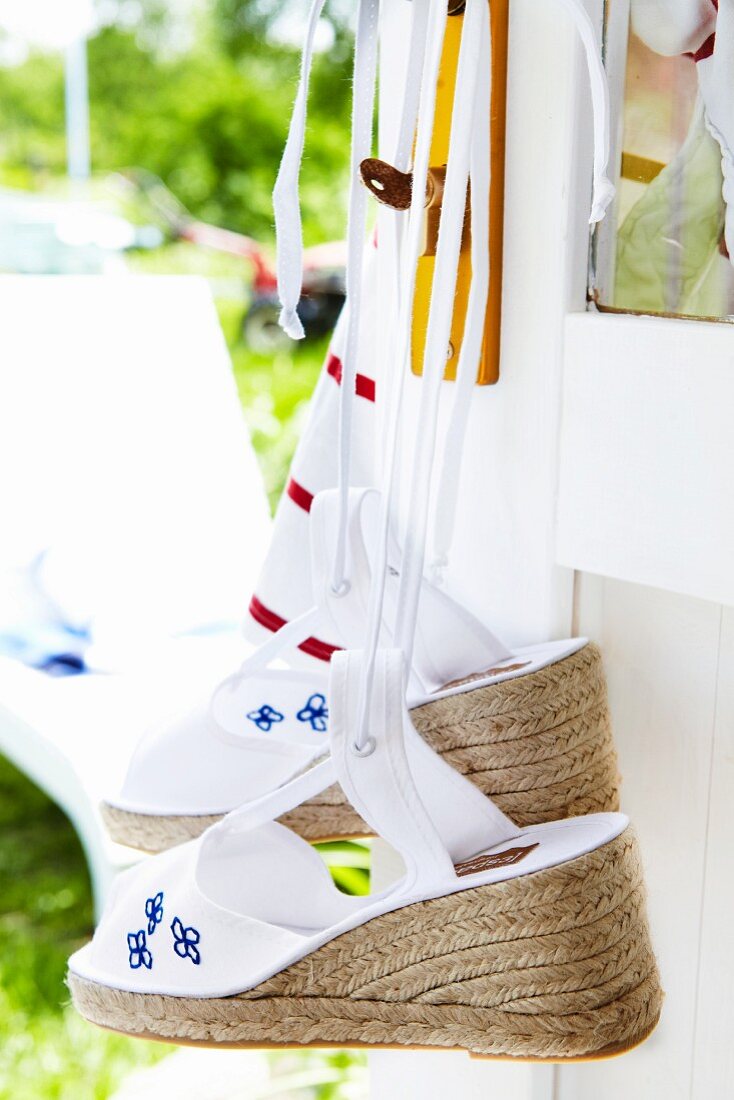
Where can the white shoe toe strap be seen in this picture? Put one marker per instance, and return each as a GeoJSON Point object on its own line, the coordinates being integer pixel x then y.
{"type": "Point", "coordinates": [270, 807]}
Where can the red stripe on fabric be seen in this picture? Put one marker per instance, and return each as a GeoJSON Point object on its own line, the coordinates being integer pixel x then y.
{"type": "Point", "coordinates": [271, 621]}
{"type": "Point", "coordinates": [706, 50]}
{"type": "Point", "coordinates": [334, 367]}
{"type": "Point", "coordinates": [363, 386]}
{"type": "Point", "coordinates": [316, 648]}
{"type": "Point", "coordinates": [299, 495]}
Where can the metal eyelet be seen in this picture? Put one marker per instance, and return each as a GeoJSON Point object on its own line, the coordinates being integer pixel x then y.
{"type": "Point", "coordinates": [364, 750]}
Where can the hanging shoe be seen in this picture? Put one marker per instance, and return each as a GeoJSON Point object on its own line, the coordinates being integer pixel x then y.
{"type": "Point", "coordinates": [528, 943]}
{"type": "Point", "coordinates": [530, 727]}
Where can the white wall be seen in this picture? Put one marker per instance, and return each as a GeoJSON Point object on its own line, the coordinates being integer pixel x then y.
{"type": "Point", "coordinates": [669, 657]}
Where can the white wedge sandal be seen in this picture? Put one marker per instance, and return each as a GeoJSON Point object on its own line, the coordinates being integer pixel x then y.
{"type": "Point", "coordinates": [530, 726]}
{"type": "Point", "coordinates": [500, 941]}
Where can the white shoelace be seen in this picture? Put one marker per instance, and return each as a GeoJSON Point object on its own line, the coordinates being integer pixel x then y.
{"type": "Point", "coordinates": [471, 348]}
{"type": "Point", "coordinates": [428, 80]}
{"type": "Point", "coordinates": [289, 233]}
{"type": "Point", "coordinates": [603, 193]}
{"type": "Point", "coordinates": [365, 76]}
{"type": "Point", "coordinates": [288, 221]}
{"type": "Point", "coordinates": [290, 267]}
{"type": "Point", "coordinates": [286, 201]}
{"type": "Point", "coordinates": [469, 156]}
{"type": "Point", "coordinates": [466, 125]}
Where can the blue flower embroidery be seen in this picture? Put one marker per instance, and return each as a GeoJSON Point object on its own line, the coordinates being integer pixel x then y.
{"type": "Point", "coordinates": [154, 912]}
{"type": "Point", "coordinates": [265, 718]}
{"type": "Point", "coordinates": [185, 941]}
{"type": "Point", "coordinates": [139, 953]}
{"type": "Point", "coordinates": [315, 712]}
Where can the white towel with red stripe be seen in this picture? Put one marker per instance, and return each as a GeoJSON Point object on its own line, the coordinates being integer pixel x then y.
{"type": "Point", "coordinates": [284, 589]}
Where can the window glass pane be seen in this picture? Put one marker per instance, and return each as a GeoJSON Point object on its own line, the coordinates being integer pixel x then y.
{"type": "Point", "coordinates": [664, 250]}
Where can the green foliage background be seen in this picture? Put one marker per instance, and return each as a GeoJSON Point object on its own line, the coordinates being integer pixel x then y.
{"type": "Point", "coordinates": [204, 106]}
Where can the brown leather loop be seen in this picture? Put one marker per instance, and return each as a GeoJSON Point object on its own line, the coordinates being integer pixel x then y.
{"type": "Point", "coordinates": [389, 185]}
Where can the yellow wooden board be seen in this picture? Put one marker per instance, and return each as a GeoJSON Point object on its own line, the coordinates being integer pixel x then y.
{"type": "Point", "coordinates": [489, 367]}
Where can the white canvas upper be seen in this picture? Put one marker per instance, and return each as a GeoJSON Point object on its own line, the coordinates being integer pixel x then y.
{"type": "Point", "coordinates": [263, 725]}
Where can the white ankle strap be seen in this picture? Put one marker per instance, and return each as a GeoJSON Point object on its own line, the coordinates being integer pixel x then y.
{"type": "Point", "coordinates": [419, 804]}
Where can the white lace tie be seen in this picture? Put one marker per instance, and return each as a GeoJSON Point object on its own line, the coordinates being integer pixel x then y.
{"type": "Point", "coordinates": [603, 193]}
{"type": "Point", "coordinates": [286, 202]}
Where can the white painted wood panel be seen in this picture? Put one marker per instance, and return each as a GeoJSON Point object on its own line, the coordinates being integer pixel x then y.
{"type": "Point", "coordinates": [713, 1063]}
{"type": "Point", "coordinates": [433, 1074]}
{"type": "Point", "coordinates": [647, 452]}
{"type": "Point", "coordinates": [661, 657]}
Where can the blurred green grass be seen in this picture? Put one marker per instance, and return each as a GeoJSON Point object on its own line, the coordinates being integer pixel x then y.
{"type": "Point", "coordinates": [46, 1051]}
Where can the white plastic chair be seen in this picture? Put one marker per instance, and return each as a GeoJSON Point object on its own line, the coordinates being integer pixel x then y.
{"type": "Point", "coordinates": [129, 480]}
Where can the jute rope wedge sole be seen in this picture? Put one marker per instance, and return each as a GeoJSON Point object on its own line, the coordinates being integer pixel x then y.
{"type": "Point", "coordinates": [539, 745]}
{"type": "Point", "coordinates": [552, 965]}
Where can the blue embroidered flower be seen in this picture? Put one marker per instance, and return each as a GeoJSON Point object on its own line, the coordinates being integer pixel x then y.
{"type": "Point", "coordinates": [265, 718]}
{"type": "Point", "coordinates": [139, 953]}
{"type": "Point", "coordinates": [315, 712]}
{"type": "Point", "coordinates": [154, 912]}
{"type": "Point", "coordinates": [185, 941]}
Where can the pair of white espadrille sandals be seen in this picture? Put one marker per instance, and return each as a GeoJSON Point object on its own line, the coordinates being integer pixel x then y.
{"type": "Point", "coordinates": [518, 926]}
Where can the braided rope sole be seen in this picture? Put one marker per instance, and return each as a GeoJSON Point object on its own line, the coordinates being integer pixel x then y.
{"type": "Point", "coordinates": [553, 965]}
{"type": "Point", "coordinates": [539, 745]}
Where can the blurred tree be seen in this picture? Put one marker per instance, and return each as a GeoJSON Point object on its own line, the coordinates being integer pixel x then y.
{"type": "Point", "coordinates": [32, 142]}
{"type": "Point", "coordinates": [202, 102]}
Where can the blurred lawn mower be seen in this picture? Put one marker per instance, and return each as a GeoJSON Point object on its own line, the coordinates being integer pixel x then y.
{"type": "Point", "coordinates": [323, 267]}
